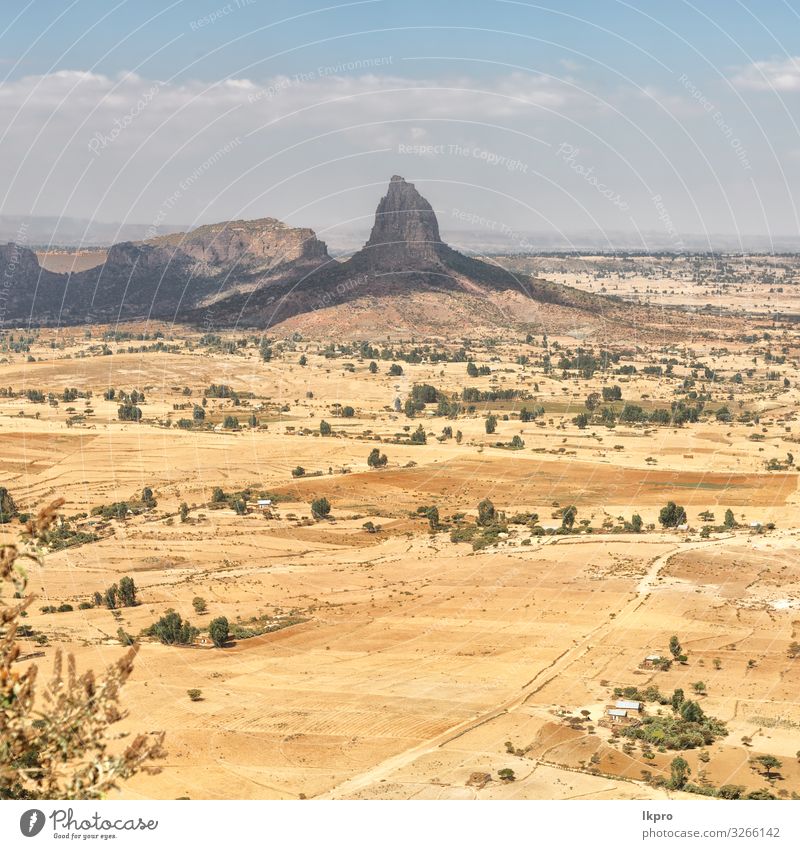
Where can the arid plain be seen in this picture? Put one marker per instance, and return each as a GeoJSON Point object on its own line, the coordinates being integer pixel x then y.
{"type": "Point", "coordinates": [401, 653]}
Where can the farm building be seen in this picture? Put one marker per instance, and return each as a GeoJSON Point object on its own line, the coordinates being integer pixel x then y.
{"type": "Point", "coordinates": [625, 704]}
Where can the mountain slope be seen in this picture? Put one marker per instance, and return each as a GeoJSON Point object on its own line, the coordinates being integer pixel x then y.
{"type": "Point", "coordinates": [261, 274]}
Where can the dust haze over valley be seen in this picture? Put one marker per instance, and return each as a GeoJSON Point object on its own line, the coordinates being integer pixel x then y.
{"type": "Point", "coordinates": [389, 498]}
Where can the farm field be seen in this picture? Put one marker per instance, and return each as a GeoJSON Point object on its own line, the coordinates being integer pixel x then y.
{"type": "Point", "coordinates": [390, 650]}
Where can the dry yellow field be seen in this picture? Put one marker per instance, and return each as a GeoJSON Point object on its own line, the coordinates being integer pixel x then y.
{"type": "Point", "coordinates": [400, 663]}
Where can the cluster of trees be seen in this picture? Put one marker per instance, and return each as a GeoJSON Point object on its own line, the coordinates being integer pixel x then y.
{"type": "Point", "coordinates": [376, 460]}
{"type": "Point", "coordinates": [477, 371]}
{"type": "Point", "coordinates": [129, 413]}
{"type": "Point", "coordinates": [220, 390]}
{"type": "Point", "coordinates": [172, 630]}
{"type": "Point", "coordinates": [122, 594]}
{"type": "Point", "coordinates": [687, 727]}
{"type": "Point", "coordinates": [120, 509]}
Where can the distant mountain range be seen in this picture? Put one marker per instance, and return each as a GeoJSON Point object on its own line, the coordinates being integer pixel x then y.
{"type": "Point", "coordinates": [263, 273]}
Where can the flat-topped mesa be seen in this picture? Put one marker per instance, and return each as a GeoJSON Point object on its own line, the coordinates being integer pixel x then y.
{"type": "Point", "coordinates": [245, 246]}
{"type": "Point", "coordinates": [405, 234]}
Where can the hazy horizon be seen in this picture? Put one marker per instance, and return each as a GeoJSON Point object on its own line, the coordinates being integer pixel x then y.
{"type": "Point", "coordinates": [612, 118]}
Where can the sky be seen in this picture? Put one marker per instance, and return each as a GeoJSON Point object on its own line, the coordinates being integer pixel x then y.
{"type": "Point", "coordinates": [653, 123]}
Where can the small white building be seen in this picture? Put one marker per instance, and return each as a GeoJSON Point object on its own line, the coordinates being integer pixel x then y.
{"type": "Point", "coordinates": [264, 502]}
{"type": "Point", "coordinates": [617, 714]}
{"type": "Point", "coordinates": [625, 704]}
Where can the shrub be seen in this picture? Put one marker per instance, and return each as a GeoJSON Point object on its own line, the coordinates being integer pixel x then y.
{"type": "Point", "coordinates": [486, 512]}
{"type": "Point", "coordinates": [194, 694]}
{"type": "Point", "coordinates": [199, 604]}
{"type": "Point", "coordinates": [65, 751]}
{"type": "Point", "coordinates": [320, 508]}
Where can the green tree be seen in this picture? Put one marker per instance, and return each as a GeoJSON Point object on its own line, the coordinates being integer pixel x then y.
{"type": "Point", "coordinates": [672, 515]}
{"type": "Point", "coordinates": [472, 369]}
{"type": "Point", "coordinates": [320, 508]}
{"type": "Point", "coordinates": [303, 361]}
{"type": "Point", "coordinates": [127, 592]}
{"type": "Point", "coordinates": [675, 646]}
{"type": "Point", "coordinates": [506, 774]}
{"type": "Point", "coordinates": [324, 428]}
{"type": "Point", "coordinates": [199, 604]}
{"type": "Point", "coordinates": [376, 460]}
{"type": "Point", "coordinates": [433, 517]}
{"type": "Point", "coordinates": [395, 370]}
{"type": "Point", "coordinates": [677, 699]}
{"type": "Point", "coordinates": [568, 515]}
{"type": "Point", "coordinates": [636, 523]}
{"type": "Point", "coordinates": [692, 712]}
{"type": "Point", "coordinates": [218, 631]}
{"type": "Point", "coordinates": [768, 763]}
{"type": "Point", "coordinates": [419, 437]}
{"type": "Point", "coordinates": [198, 413]}
{"type": "Point", "coordinates": [231, 423]}
{"type": "Point", "coordinates": [110, 597]}
{"type": "Point", "coordinates": [184, 511]}
{"type": "Point", "coordinates": [486, 512]}
{"type": "Point", "coordinates": [592, 401]}
{"type": "Point", "coordinates": [217, 495]}
{"type": "Point", "coordinates": [171, 630]}
{"type": "Point", "coordinates": [581, 420]}
{"type": "Point", "coordinates": [730, 519]}
{"type": "Point", "coordinates": [679, 773]}
{"type": "Point", "coordinates": [490, 423]}
{"type": "Point", "coordinates": [373, 367]}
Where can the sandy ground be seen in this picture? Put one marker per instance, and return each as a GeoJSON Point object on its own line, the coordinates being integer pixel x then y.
{"type": "Point", "coordinates": [414, 660]}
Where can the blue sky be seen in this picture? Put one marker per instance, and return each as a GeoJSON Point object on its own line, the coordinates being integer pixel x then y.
{"type": "Point", "coordinates": [575, 116]}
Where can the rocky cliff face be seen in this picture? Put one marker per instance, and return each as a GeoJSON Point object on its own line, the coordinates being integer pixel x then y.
{"type": "Point", "coordinates": [405, 235]}
{"type": "Point", "coordinates": [249, 246]}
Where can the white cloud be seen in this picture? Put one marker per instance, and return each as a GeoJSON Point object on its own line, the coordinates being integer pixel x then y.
{"type": "Point", "coordinates": [771, 75]}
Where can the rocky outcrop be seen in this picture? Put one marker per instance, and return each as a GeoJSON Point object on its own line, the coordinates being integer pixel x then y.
{"type": "Point", "coordinates": [260, 273]}
{"type": "Point", "coordinates": [405, 235]}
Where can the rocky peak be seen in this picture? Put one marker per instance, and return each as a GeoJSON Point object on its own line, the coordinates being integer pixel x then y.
{"type": "Point", "coordinates": [405, 234]}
